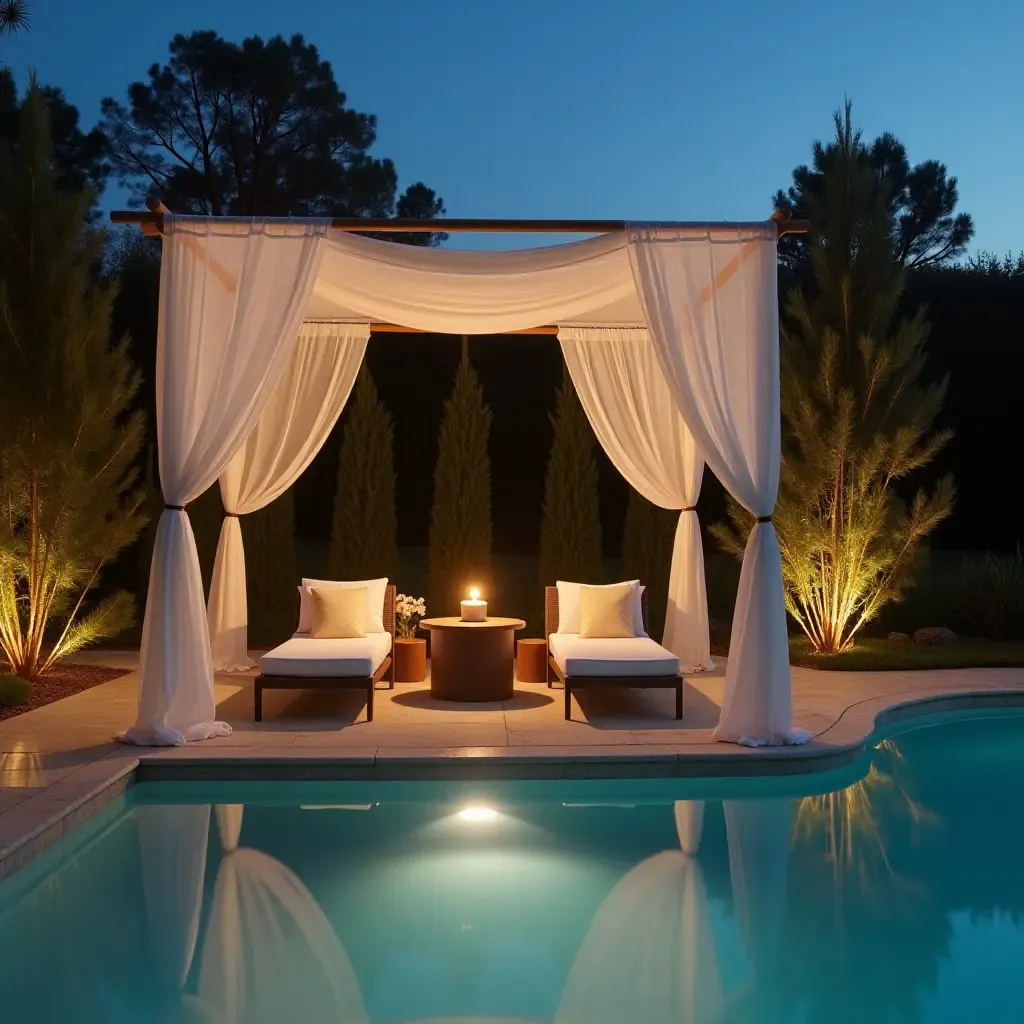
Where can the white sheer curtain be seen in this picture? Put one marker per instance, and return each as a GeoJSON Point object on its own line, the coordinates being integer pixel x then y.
{"type": "Point", "coordinates": [295, 424]}
{"type": "Point", "coordinates": [635, 417]}
{"type": "Point", "coordinates": [711, 305]}
{"type": "Point", "coordinates": [232, 295]}
{"type": "Point", "coordinates": [650, 955]}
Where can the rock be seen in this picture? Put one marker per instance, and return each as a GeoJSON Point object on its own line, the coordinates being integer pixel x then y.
{"type": "Point", "coordinates": [937, 635]}
{"type": "Point", "coordinates": [898, 638]}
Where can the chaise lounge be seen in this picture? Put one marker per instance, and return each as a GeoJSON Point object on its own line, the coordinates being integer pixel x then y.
{"type": "Point", "coordinates": [636, 661]}
{"type": "Point", "coordinates": [351, 663]}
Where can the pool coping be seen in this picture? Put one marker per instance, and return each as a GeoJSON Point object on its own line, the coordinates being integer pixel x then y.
{"type": "Point", "coordinates": [37, 823]}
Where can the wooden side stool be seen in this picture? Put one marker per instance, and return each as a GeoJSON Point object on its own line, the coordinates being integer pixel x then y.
{"type": "Point", "coordinates": [531, 661]}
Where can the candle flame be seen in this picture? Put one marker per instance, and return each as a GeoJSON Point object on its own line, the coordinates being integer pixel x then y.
{"type": "Point", "coordinates": [474, 594]}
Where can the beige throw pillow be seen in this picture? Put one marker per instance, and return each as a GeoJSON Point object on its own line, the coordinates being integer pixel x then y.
{"type": "Point", "coordinates": [607, 611]}
{"type": "Point", "coordinates": [338, 614]}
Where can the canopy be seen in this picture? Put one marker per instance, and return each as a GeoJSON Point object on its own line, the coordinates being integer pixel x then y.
{"type": "Point", "coordinates": [234, 294]}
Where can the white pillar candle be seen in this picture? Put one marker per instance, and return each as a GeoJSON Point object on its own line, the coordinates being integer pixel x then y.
{"type": "Point", "coordinates": [474, 610]}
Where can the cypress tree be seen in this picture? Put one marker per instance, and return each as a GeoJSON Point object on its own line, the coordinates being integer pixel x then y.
{"type": "Point", "coordinates": [364, 531]}
{"type": "Point", "coordinates": [460, 526]}
{"type": "Point", "coordinates": [68, 438]}
{"type": "Point", "coordinates": [647, 541]}
{"type": "Point", "coordinates": [856, 418]}
{"type": "Point", "coordinates": [570, 529]}
{"type": "Point", "coordinates": [270, 570]}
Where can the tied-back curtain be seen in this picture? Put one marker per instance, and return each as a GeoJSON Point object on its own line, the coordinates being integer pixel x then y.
{"type": "Point", "coordinates": [232, 295]}
{"type": "Point", "coordinates": [624, 394]}
{"type": "Point", "coordinates": [711, 306]}
{"type": "Point", "coordinates": [300, 415]}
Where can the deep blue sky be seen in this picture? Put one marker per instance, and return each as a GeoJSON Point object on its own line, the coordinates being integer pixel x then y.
{"type": "Point", "coordinates": [646, 109]}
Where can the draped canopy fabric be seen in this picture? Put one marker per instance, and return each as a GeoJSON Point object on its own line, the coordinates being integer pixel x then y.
{"type": "Point", "coordinates": [232, 294]}
{"type": "Point", "coordinates": [712, 311]}
{"type": "Point", "coordinates": [622, 389]}
{"type": "Point", "coordinates": [301, 412]}
{"type": "Point", "coordinates": [475, 292]}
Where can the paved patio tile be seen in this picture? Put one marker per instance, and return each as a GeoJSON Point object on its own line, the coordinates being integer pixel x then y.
{"type": "Point", "coordinates": [36, 778]}
{"type": "Point", "coordinates": [15, 795]}
{"type": "Point", "coordinates": [64, 754]}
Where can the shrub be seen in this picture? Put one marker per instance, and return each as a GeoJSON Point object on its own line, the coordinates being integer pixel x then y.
{"type": "Point", "coordinates": [991, 594]}
{"type": "Point", "coordinates": [14, 691]}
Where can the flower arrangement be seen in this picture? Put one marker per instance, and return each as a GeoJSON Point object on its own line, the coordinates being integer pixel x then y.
{"type": "Point", "coordinates": [408, 612]}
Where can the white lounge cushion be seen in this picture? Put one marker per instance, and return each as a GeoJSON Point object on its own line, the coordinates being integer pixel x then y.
{"type": "Point", "coordinates": [314, 659]}
{"type": "Point", "coordinates": [598, 656]}
{"type": "Point", "coordinates": [569, 605]}
{"type": "Point", "coordinates": [375, 594]}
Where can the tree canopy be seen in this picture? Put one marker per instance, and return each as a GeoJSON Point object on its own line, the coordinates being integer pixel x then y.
{"type": "Point", "coordinates": [858, 415]}
{"type": "Point", "coordinates": [78, 158]}
{"type": "Point", "coordinates": [68, 435]}
{"type": "Point", "coordinates": [256, 128]}
{"type": "Point", "coordinates": [921, 201]}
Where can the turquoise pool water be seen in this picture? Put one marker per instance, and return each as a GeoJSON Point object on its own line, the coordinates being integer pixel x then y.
{"type": "Point", "coordinates": [897, 898]}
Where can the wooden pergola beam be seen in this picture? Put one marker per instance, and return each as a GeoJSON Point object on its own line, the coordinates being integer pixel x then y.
{"type": "Point", "coordinates": [152, 223]}
{"type": "Point", "coordinates": [550, 329]}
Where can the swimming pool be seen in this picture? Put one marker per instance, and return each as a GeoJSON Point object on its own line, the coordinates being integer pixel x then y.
{"type": "Point", "coordinates": [897, 898]}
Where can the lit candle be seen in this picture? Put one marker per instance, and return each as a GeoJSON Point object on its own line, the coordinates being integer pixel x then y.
{"type": "Point", "coordinates": [474, 610]}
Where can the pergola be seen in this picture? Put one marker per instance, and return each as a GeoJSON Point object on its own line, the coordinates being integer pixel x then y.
{"type": "Point", "coordinates": [670, 334]}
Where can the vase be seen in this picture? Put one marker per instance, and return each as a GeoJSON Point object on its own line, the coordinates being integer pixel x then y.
{"type": "Point", "coordinates": [410, 661]}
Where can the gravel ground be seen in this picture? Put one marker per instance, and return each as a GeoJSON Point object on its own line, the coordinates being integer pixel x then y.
{"type": "Point", "coordinates": [63, 681]}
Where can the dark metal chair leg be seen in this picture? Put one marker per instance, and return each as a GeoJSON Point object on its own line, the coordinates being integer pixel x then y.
{"type": "Point", "coordinates": [568, 699]}
{"type": "Point", "coordinates": [258, 700]}
{"type": "Point", "coordinates": [679, 699]}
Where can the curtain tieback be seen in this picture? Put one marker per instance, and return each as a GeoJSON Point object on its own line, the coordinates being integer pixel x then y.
{"type": "Point", "coordinates": [174, 508]}
{"type": "Point", "coordinates": [230, 515]}
{"type": "Point", "coordinates": [764, 519]}
{"type": "Point", "coordinates": [689, 508]}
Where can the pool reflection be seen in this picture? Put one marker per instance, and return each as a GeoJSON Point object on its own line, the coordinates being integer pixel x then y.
{"type": "Point", "coordinates": [874, 902]}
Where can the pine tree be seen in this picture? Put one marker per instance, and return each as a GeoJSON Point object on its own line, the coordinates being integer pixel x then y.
{"type": "Point", "coordinates": [856, 418]}
{"type": "Point", "coordinates": [364, 530]}
{"type": "Point", "coordinates": [68, 440]}
{"type": "Point", "coordinates": [270, 569]}
{"type": "Point", "coordinates": [570, 529]}
{"type": "Point", "coordinates": [460, 527]}
{"type": "Point", "coordinates": [647, 541]}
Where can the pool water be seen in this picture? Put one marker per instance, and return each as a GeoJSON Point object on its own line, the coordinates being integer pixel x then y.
{"type": "Point", "coordinates": [899, 897]}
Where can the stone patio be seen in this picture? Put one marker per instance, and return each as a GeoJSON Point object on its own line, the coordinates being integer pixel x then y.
{"type": "Point", "coordinates": [58, 764]}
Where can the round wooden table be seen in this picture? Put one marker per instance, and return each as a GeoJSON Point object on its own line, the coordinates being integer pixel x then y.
{"type": "Point", "coordinates": [471, 661]}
